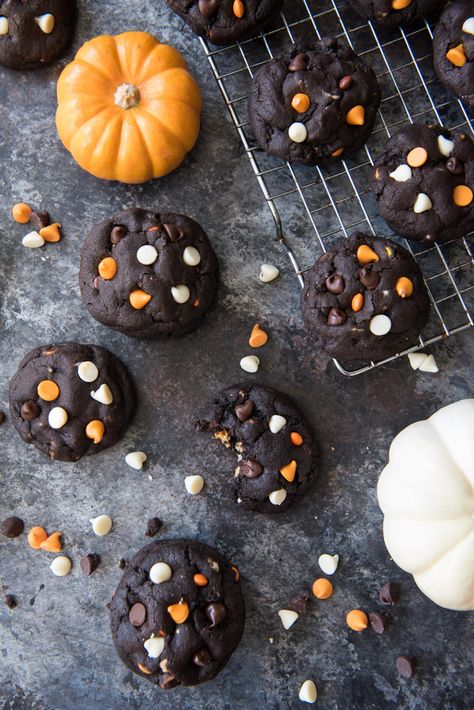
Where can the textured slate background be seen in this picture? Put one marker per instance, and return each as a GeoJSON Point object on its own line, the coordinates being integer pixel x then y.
{"type": "Point", "coordinates": [57, 653]}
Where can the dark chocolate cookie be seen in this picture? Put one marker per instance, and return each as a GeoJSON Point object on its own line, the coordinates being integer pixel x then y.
{"type": "Point", "coordinates": [34, 33]}
{"type": "Point", "coordinates": [277, 455]}
{"type": "Point", "coordinates": [424, 182]}
{"type": "Point", "coordinates": [315, 104]}
{"type": "Point", "coordinates": [225, 21]}
{"type": "Point", "coordinates": [453, 49]}
{"type": "Point", "coordinates": [178, 613]}
{"type": "Point", "coordinates": [392, 13]}
{"type": "Point", "coordinates": [148, 275]}
{"type": "Point", "coordinates": [365, 299]}
{"type": "Point", "coordinates": [71, 400]}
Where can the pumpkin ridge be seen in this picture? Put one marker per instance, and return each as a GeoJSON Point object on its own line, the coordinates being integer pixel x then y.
{"type": "Point", "coordinates": [94, 69]}
{"type": "Point", "coordinates": [131, 116]}
{"type": "Point", "coordinates": [465, 537]}
{"type": "Point", "coordinates": [106, 108]}
{"type": "Point", "coordinates": [440, 433]}
{"type": "Point", "coordinates": [165, 129]}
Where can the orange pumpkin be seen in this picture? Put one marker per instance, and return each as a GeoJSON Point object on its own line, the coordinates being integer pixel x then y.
{"type": "Point", "coordinates": [128, 109]}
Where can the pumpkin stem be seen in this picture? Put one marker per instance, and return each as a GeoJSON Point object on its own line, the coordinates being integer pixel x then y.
{"type": "Point", "coordinates": [127, 96]}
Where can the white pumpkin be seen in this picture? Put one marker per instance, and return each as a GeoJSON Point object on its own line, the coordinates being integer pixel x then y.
{"type": "Point", "coordinates": [426, 493]}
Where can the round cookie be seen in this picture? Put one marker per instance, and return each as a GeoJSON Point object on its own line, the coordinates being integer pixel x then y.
{"type": "Point", "coordinates": [453, 49]}
{"type": "Point", "coordinates": [35, 33]}
{"type": "Point", "coordinates": [178, 613]}
{"type": "Point", "coordinates": [71, 400]}
{"type": "Point", "coordinates": [277, 455]}
{"type": "Point", "coordinates": [365, 299]}
{"type": "Point", "coordinates": [392, 13]}
{"type": "Point", "coordinates": [314, 105]}
{"type": "Point", "coordinates": [148, 275]}
{"type": "Point", "coordinates": [225, 21]}
{"type": "Point", "coordinates": [424, 183]}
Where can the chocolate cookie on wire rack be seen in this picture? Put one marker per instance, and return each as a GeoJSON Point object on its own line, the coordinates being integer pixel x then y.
{"type": "Point", "coordinates": [392, 13]}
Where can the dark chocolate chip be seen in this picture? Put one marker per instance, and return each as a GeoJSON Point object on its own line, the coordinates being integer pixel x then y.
{"type": "Point", "coordinates": [10, 601]}
{"type": "Point", "coordinates": [216, 613]}
{"type": "Point", "coordinates": [336, 316]}
{"type": "Point", "coordinates": [244, 411]}
{"type": "Point", "coordinates": [173, 231]}
{"type": "Point", "coordinates": [118, 233]}
{"type": "Point", "coordinates": [405, 666]}
{"type": "Point", "coordinates": [202, 657]}
{"type": "Point", "coordinates": [298, 63]}
{"type": "Point", "coordinates": [389, 593]}
{"type": "Point", "coordinates": [346, 82]}
{"type": "Point", "coordinates": [455, 166]}
{"type": "Point", "coordinates": [300, 603]}
{"type": "Point", "coordinates": [29, 410]}
{"type": "Point", "coordinates": [89, 564]}
{"type": "Point", "coordinates": [2, 417]}
{"type": "Point", "coordinates": [369, 278]}
{"type": "Point", "coordinates": [39, 220]}
{"type": "Point", "coordinates": [12, 526]}
{"type": "Point", "coordinates": [208, 8]}
{"type": "Point", "coordinates": [122, 563]}
{"type": "Point", "coordinates": [137, 614]}
{"type": "Point", "coordinates": [250, 469]}
{"type": "Point", "coordinates": [335, 284]}
{"type": "Point", "coordinates": [378, 621]}
{"type": "Point", "coordinates": [153, 526]}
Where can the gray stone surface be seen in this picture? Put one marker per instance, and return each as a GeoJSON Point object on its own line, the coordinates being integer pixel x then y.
{"type": "Point", "coordinates": [57, 653]}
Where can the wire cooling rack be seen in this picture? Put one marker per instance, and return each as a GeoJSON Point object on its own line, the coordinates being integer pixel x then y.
{"type": "Point", "coordinates": [314, 207]}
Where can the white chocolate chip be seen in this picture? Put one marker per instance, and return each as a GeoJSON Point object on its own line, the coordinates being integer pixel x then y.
{"type": "Point", "coordinates": [288, 617]}
{"type": "Point", "coordinates": [33, 240]}
{"type": "Point", "coordinates": [147, 255]}
{"type": "Point", "coordinates": [87, 371]}
{"type": "Point", "coordinates": [468, 26]}
{"type": "Point", "coordinates": [213, 564]}
{"type": "Point", "coordinates": [191, 256]}
{"type": "Point", "coordinates": [4, 25]}
{"type": "Point", "coordinates": [160, 572]}
{"type": "Point", "coordinates": [57, 418]}
{"type": "Point", "coordinates": [194, 484]}
{"type": "Point", "coordinates": [61, 566]}
{"type": "Point", "coordinates": [380, 325]}
{"type": "Point", "coordinates": [297, 132]}
{"type": "Point", "coordinates": [429, 365]}
{"type": "Point", "coordinates": [103, 395]}
{"type": "Point", "coordinates": [328, 563]}
{"type": "Point", "coordinates": [45, 22]}
{"type": "Point", "coordinates": [308, 692]}
{"type": "Point", "coordinates": [136, 459]}
{"type": "Point", "coordinates": [276, 423]}
{"type": "Point", "coordinates": [277, 497]}
{"type": "Point", "coordinates": [251, 363]}
{"type": "Point", "coordinates": [101, 525]}
{"type": "Point", "coordinates": [154, 646]}
{"type": "Point", "coordinates": [445, 146]}
{"type": "Point", "coordinates": [422, 203]}
{"type": "Point", "coordinates": [416, 359]}
{"type": "Point", "coordinates": [181, 293]}
{"type": "Point", "coordinates": [402, 173]}
{"type": "Point", "coordinates": [268, 273]}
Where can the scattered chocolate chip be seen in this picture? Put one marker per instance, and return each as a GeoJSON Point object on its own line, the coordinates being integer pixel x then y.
{"type": "Point", "coordinates": [346, 82]}
{"type": "Point", "coordinates": [29, 410]}
{"type": "Point", "coordinates": [455, 166]}
{"type": "Point", "coordinates": [335, 284]}
{"type": "Point", "coordinates": [369, 278]}
{"type": "Point", "coordinates": [389, 593]}
{"type": "Point", "coordinates": [153, 526]}
{"type": "Point", "coordinates": [137, 614]}
{"type": "Point", "coordinates": [122, 563]}
{"type": "Point", "coordinates": [216, 613]}
{"type": "Point", "coordinates": [250, 469]}
{"type": "Point", "coordinates": [117, 234]}
{"type": "Point", "coordinates": [89, 564]}
{"type": "Point", "coordinates": [378, 622]}
{"type": "Point", "coordinates": [40, 219]}
{"type": "Point", "coordinates": [12, 526]}
{"type": "Point", "coordinates": [10, 601]}
{"type": "Point", "coordinates": [173, 231]}
{"type": "Point", "coordinates": [208, 8]}
{"type": "Point", "coordinates": [336, 316]}
{"type": "Point", "coordinates": [2, 417]}
{"type": "Point", "coordinates": [298, 63]}
{"type": "Point", "coordinates": [202, 657]}
{"type": "Point", "coordinates": [300, 603]}
{"type": "Point", "coordinates": [244, 411]}
{"type": "Point", "coordinates": [405, 666]}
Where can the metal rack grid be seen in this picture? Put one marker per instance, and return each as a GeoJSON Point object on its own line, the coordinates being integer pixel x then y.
{"type": "Point", "coordinates": [317, 206]}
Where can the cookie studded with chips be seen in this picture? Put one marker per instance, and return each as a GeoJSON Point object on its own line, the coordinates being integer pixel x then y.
{"type": "Point", "coordinates": [392, 13]}
{"type": "Point", "coordinates": [71, 400]}
{"type": "Point", "coordinates": [365, 300]}
{"type": "Point", "coordinates": [453, 49]}
{"type": "Point", "coordinates": [178, 613]}
{"type": "Point", "coordinates": [148, 275]}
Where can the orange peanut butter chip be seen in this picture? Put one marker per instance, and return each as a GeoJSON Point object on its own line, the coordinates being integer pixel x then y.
{"type": "Point", "coordinates": [48, 390]}
{"type": "Point", "coordinates": [179, 612]}
{"type": "Point", "coordinates": [52, 543]}
{"type": "Point", "coordinates": [457, 56]}
{"type": "Point", "coordinates": [404, 287]}
{"type": "Point", "coordinates": [107, 268]}
{"type": "Point", "coordinates": [417, 157]}
{"type": "Point", "coordinates": [36, 536]}
{"type": "Point", "coordinates": [296, 438]}
{"type": "Point", "coordinates": [366, 255]}
{"type": "Point", "coordinates": [51, 233]}
{"type": "Point", "coordinates": [95, 430]}
{"type": "Point", "coordinates": [236, 573]}
{"type": "Point", "coordinates": [357, 302]}
{"type": "Point", "coordinates": [356, 116]}
{"type": "Point", "coordinates": [322, 588]}
{"type": "Point", "coordinates": [258, 337]}
{"type": "Point", "coordinates": [200, 580]}
{"type": "Point", "coordinates": [401, 4]}
{"type": "Point", "coordinates": [143, 669]}
{"type": "Point", "coordinates": [301, 103]}
{"type": "Point", "coordinates": [238, 8]}
{"type": "Point", "coordinates": [462, 195]}
{"type": "Point", "coordinates": [357, 620]}
{"type": "Point", "coordinates": [289, 471]}
{"type": "Point", "coordinates": [336, 153]}
{"type": "Point", "coordinates": [138, 299]}
{"type": "Point", "coordinates": [21, 213]}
